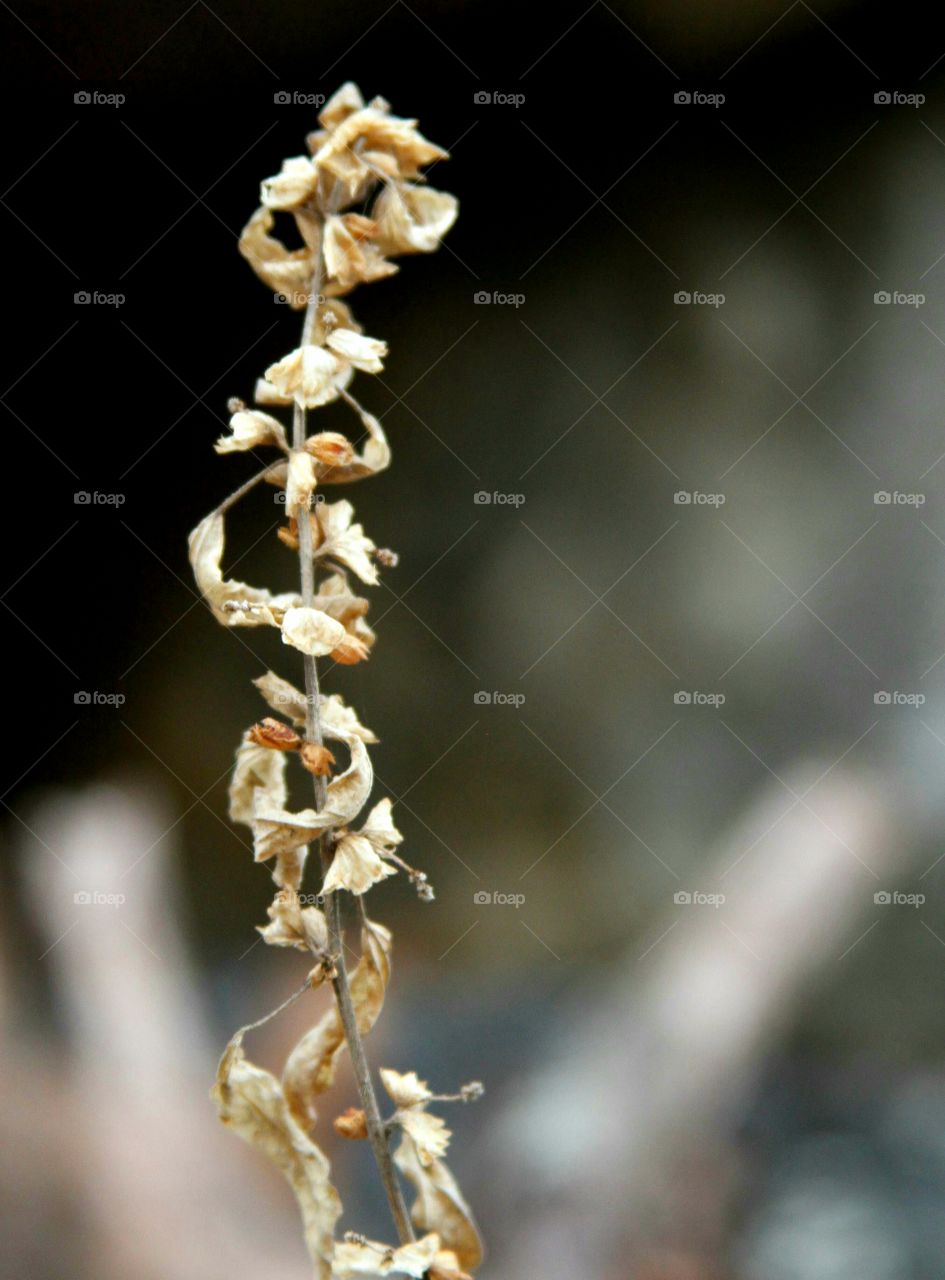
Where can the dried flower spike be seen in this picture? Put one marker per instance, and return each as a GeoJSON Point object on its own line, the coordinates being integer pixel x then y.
{"type": "Point", "coordinates": [358, 200]}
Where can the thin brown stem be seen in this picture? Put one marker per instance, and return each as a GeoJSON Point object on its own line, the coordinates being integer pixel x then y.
{"type": "Point", "coordinates": [313, 732]}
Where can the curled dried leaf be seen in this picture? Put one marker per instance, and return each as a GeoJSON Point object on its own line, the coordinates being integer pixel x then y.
{"type": "Point", "coordinates": [345, 542]}
{"type": "Point", "coordinates": [251, 1102]}
{"type": "Point", "coordinates": [292, 186]}
{"type": "Point", "coordinates": [310, 1068]}
{"type": "Point", "coordinates": [352, 258]}
{"type": "Point", "coordinates": [359, 858]}
{"type": "Point", "coordinates": [439, 1205]}
{"type": "Point", "coordinates": [405, 1090]}
{"type": "Point", "coordinates": [233, 603]}
{"type": "Point", "coordinates": [288, 272]}
{"type": "Point", "coordinates": [258, 772]}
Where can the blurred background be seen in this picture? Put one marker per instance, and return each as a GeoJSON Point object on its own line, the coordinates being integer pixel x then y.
{"type": "Point", "coordinates": [659, 678]}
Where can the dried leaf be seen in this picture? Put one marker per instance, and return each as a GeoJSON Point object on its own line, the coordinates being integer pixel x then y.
{"type": "Point", "coordinates": [282, 696]}
{"type": "Point", "coordinates": [429, 1133]}
{"type": "Point", "coordinates": [310, 1068]}
{"type": "Point", "coordinates": [277, 831]}
{"type": "Point", "coordinates": [291, 186]}
{"type": "Point", "coordinates": [349, 257]}
{"type": "Point", "coordinates": [250, 1101]}
{"type": "Point", "coordinates": [374, 457]}
{"type": "Point", "coordinates": [258, 771]}
{"type": "Point", "coordinates": [440, 1206]}
{"type": "Point", "coordinates": [287, 272]}
{"type": "Point", "coordinates": [233, 603]}
{"type": "Point", "coordinates": [355, 866]}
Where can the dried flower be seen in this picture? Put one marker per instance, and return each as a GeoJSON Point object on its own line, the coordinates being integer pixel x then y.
{"type": "Point", "coordinates": [360, 154]}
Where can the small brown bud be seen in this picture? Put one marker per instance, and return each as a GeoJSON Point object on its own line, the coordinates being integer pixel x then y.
{"type": "Point", "coordinates": [330, 448]}
{"type": "Point", "coordinates": [317, 759]}
{"type": "Point", "coordinates": [350, 651]}
{"type": "Point", "coordinates": [389, 559]}
{"type": "Point", "coordinates": [275, 735]}
{"type": "Point", "coordinates": [352, 1125]}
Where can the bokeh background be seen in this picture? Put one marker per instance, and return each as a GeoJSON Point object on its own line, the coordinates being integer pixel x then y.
{"type": "Point", "coordinates": [676, 688]}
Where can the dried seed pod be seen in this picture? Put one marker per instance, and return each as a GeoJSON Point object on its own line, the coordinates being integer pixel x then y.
{"type": "Point", "coordinates": [275, 735]}
{"type": "Point", "coordinates": [317, 759]}
{"type": "Point", "coordinates": [352, 1125]}
{"type": "Point", "coordinates": [331, 449]}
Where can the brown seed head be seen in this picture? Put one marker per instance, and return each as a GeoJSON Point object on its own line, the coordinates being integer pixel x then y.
{"type": "Point", "coordinates": [352, 1125]}
{"type": "Point", "coordinates": [275, 735]}
{"type": "Point", "coordinates": [317, 759]}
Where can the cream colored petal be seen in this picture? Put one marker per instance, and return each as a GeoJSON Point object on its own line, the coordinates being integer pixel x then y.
{"type": "Point", "coordinates": [300, 483]}
{"type": "Point", "coordinates": [413, 219]}
{"type": "Point", "coordinates": [250, 1101]}
{"type": "Point", "coordinates": [373, 1259]}
{"type": "Point", "coordinates": [310, 1068]}
{"type": "Point", "coordinates": [266, 393]}
{"type": "Point", "coordinates": [375, 130]}
{"type": "Point", "coordinates": [406, 1090]}
{"type": "Point", "coordinates": [356, 866]}
{"type": "Point", "coordinates": [285, 922]}
{"type": "Point", "coordinates": [340, 105]}
{"type": "Point", "coordinates": [309, 374]}
{"type": "Point", "coordinates": [364, 353]}
{"type": "Point", "coordinates": [249, 429]}
{"type": "Point", "coordinates": [439, 1205]}
{"type": "Point", "coordinates": [311, 631]}
{"type": "Point", "coordinates": [292, 186]}
{"type": "Point", "coordinates": [430, 1135]}
{"type": "Point", "coordinates": [350, 259]}
{"type": "Point", "coordinates": [344, 541]}
{"type": "Point", "coordinates": [379, 828]}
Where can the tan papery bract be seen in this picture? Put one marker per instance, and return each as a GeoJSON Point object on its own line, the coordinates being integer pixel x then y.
{"type": "Point", "coordinates": [369, 1258]}
{"type": "Point", "coordinates": [439, 1205]}
{"type": "Point", "coordinates": [206, 543]}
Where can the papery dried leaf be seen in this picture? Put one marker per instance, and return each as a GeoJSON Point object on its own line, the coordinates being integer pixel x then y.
{"type": "Point", "coordinates": [293, 185]}
{"type": "Point", "coordinates": [413, 219]}
{"type": "Point", "coordinates": [311, 631]}
{"type": "Point", "coordinates": [258, 771]}
{"type": "Point", "coordinates": [206, 543]}
{"type": "Point", "coordinates": [330, 449]}
{"type": "Point", "coordinates": [374, 457]}
{"type": "Point", "coordinates": [250, 1101]}
{"type": "Point", "coordinates": [310, 1068]}
{"type": "Point", "coordinates": [285, 922]}
{"type": "Point", "coordinates": [373, 130]}
{"type": "Point", "coordinates": [357, 349]}
{"type": "Point", "coordinates": [336, 598]}
{"type": "Point", "coordinates": [344, 541]}
{"type": "Point", "coordinates": [249, 429]}
{"type": "Point", "coordinates": [287, 272]}
{"type": "Point", "coordinates": [368, 1258]}
{"type": "Point", "coordinates": [440, 1206]}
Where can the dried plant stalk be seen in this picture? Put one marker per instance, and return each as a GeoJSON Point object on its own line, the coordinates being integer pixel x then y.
{"type": "Point", "coordinates": [361, 158]}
